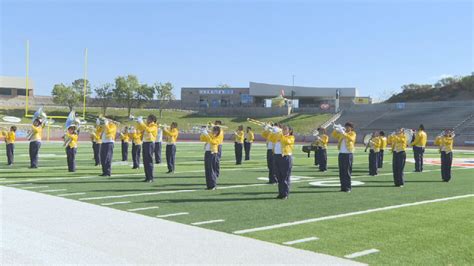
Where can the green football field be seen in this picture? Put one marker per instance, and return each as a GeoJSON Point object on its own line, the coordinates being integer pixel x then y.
{"type": "Point", "coordinates": [427, 222]}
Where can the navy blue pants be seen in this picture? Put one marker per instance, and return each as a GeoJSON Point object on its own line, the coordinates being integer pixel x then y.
{"type": "Point", "coordinates": [373, 162]}
{"type": "Point", "coordinates": [211, 162]}
{"type": "Point", "coordinates": [136, 150]}
{"type": "Point", "coordinates": [418, 156]}
{"type": "Point", "coordinates": [148, 164]}
{"type": "Point", "coordinates": [271, 167]}
{"type": "Point", "coordinates": [106, 156]}
{"type": "Point", "coordinates": [124, 151]}
{"type": "Point", "coordinates": [446, 162]}
{"type": "Point", "coordinates": [380, 159]}
{"type": "Point", "coordinates": [96, 150]}
{"type": "Point", "coordinates": [316, 158]}
{"type": "Point", "coordinates": [34, 150]}
{"type": "Point", "coordinates": [238, 152]}
{"type": "Point", "coordinates": [398, 165]}
{"type": "Point", "coordinates": [219, 156]}
{"type": "Point", "coordinates": [284, 165]}
{"type": "Point", "coordinates": [170, 156]}
{"type": "Point", "coordinates": [157, 152]}
{"type": "Point", "coordinates": [247, 147]}
{"type": "Point", "coordinates": [10, 153]}
{"type": "Point", "coordinates": [71, 159]}
{"type": "Point", "coordinates": [345, 170]}
{"type": "Point", "coordinates": [322, 159]}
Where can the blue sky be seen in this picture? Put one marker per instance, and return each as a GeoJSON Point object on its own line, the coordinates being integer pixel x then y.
{"type": "Point", "coordinates": [376, 46]}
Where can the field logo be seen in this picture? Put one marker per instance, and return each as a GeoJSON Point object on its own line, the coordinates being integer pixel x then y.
{"type": "Point", "coordinates": [333, 183]}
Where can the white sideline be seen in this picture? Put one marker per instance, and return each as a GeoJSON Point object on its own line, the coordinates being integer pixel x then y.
{"type": "Point", "coordinates": [34, 187]}
{"type": "Point", "coordinates": [142, 209]}
{"type": "Point", "coordinates": [71, 194]}
{"type": "Point", "coordinates": [172, 214]}
{"type": "Point", "coordinates": [208, 222]}
{"type": "Point", "coordinates": [115, 203]}
{"type": "Point", "coordinates": [361, 253]}
{"type": "Point", "coordinates": [270, 227]}
{"type": "Point", "coordinates": [301, 240]}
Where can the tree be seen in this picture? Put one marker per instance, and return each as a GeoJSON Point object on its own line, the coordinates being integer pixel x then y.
{"type": "Point", "coordinates": [72, 95]}
{"type": "Point", "coordinates": [223, 86]}
{"type": "Point", "coordinates": [104, 94]}
{"type": "Point", "coordinates": [164, 94]}
{"type": "Point", "coordinates": [131, 93]}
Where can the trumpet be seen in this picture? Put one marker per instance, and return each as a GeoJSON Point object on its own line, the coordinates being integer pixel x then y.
{"type": "Point", "coordinates": [134, 118]}
{"type": "Point", "coordinates": [339, 127]}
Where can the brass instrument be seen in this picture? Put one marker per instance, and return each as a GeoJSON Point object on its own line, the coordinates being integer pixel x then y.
{"type": "Point", "coordinates": [134, 118]}
{"type": "Point", "coordinates": [339, 127]}
{"type": "Point", "coordinates": [257, 122]}
{"type": "Point", "coordinates": [367, 139]}
{"type": "Point", "coordinates": [102, 120]}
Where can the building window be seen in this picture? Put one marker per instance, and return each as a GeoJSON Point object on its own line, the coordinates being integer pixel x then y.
{"type": "Point", "coordinates": [21, 92]}
{"type": "Point", "coordinates": [5, 91]}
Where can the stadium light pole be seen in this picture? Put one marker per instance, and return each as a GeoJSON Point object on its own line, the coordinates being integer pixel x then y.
{"type": "Point", "coordinates": [27, 74]}
{"type": "Point", "coordinates": [85, 85]}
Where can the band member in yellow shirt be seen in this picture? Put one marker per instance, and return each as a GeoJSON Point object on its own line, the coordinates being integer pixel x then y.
{"type": "Point", "coordinates": [383, 146]}
{"type": "Point", "coordinates": [35, 141]}
{"type": "Point", "coordinates": [211, 154]}
{"type": "Point", "coordinates": [171, 135]}
{"type": "Point", "coordinates": [249, 137]}
{"type": "Point", "coordinates": [219, 147]}
{"type": "Point", "coordinates": [272, 179]}
{"type": "Point", "coordinates": [374, 144]}
{"type": "Point", "coordinates": [399, 144]}
{"type": "Point", "coordinates": [158, 144]}
{"type": "Point", "coordinates": [125, 138]}
{"type": "Point", "coordinates": [238, 144]}
{"type": "Point", "coordinates": [321, 145]}
{"type": "Point", "coordinates": [419, 144]}
{"type": "Point", "coordinates": [10, 137]}
{"type": "Point", "coordinates": [149, 138]}
{"type": "Point", "coordinates": [70, 141]}
{"type": "Point", "coordinates": [445, 142]}
{"type": "Point", "coordinates": [283, 150]}
{"type": "Point", "coordinates": [346, 138]}
{"type": "Point", "coordinates": [136, 138]}
{"type": "Point", "coordinates": [109, 132]}
{"type": "Point", "coordinates": [96, 137]}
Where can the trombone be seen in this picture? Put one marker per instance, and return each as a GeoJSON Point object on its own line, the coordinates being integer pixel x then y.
{"type": "Point", "coordinates": [257, 122]}
{"type": "Point", "coordinates": [102, 121]}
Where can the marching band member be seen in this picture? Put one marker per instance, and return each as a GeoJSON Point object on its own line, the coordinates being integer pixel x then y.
{"type": "Point", "coordinates": [346, 137]}
{"type": "Point", "coordinates": [238, 143]}
{"type": "Point", "coordinates": [399, 144]}
{"type": "Point", "coordinates": [158, 142]}
{"type": "Point", "coordinates": [171, 135]}
{"type": "Point", "coordinates": [272, 179]}
{"type": "Point", "coordinates": [211, 154]}
{"type": "Point", "coordinates": [10, 137]}
{"type": "Point", "coordinates": [35, 141]}
{"type": "Point", "coordinates": [283, 150]}
{"type": "Point", "coordinates": [321, 146]}
{"type": "Point", "coordinates": [136, 137]}
{"type": "Point", "coordinates": [109, 132]}
{"type": "Point", "coordinates": [374, 144]}
{"type": "Point", "coordinates": [383, 145]}
{"type": "Point", "coordinates": [249, 137]}
{"type": "Point", "coordinates": [419, 144]}
{"type": "Point", "coordinates": [149, 138]}
{"type": "Point", "coordinates": [97, 142]}
{"type": "Point", "coordinates": [445, 143]}
{"type": "Point", "coordinates": [70, 141]}
{"type": "Point", "coordinates": [125, 138]}
{"type": "Point", "coordinates": [219, 147]}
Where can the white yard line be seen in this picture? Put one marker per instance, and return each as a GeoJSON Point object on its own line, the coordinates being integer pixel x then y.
{"type": "Point", "coordinates": [53, 190]}
{"type": "Point", "coordinates": [15, 185]}
{"type": "Point", "coordinates": [172, 214]}
{"type": "Point", "coordinates": [71, 194]}
{"type": "Point", "coordinates": [34, 187]}
{"type": "Point", "coordinates": [300, 240]}
{"type": "Point", "coordinates": [361, 253]}
{"type": "Point", "coordinates": [115, 203]}
{"type": "Point", "coordinates": [331, 217]}
{"type": "Point", "coordinates": [142, 209]}
{"type": "Point", "coordinates": [208, 222]}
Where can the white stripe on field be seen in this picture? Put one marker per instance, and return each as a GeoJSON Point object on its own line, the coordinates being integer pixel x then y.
{"type": "Point", "coordinates": [34, 187]}
{"type": "Point", "coordinates": [53, 190]}
{"type": "Point", "coordinates": [142, 209]}
{"type": "Point", "coordinates": [208, 222]}
{"type": "Point", "coordinates": [15, 185]}
{"type": "Point", "coordinates": [361, 253]}
{"type": "Point", "coordinates": [114, 203]}
{"type": "Point", "coordinates": [71, 194]}
{"type": "Point", "coordinates": [301, 240]}
{"type": "Point", "coordinates": [270, 227]}
{"type": "Point", "coordinates": [172, 214]}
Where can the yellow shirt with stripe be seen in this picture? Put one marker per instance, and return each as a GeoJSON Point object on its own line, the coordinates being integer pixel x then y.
{"type": "Point", "coordinates": [287, 142]}
{"type": "Point", "coordinates": [109, 132]}
{"type": "Point", "coordinates": [376, 143]}
{"type": "Point", "coordinates": [249, 137]}
{"type": "Point", "coordinates": [136, 138]}
{"type": "Point", "coordinates": [322, 142]}
{"type": "Point", "coordinates": [350, 138]}
{"type": "Point", "coordinates": [97, 135]}
{"type": "Point", "coordinates": [73, 140]}
{"type": "Point", "coordinates": [171, 135]}
{"type": "Point", "coordinates": [213, 141]}
{"type": "Point", "coordinates": [239, 136]}
{"type": "Point", "coordinates": [420, 139]}
{"type": "Point", "coordinates": [149, 131]}
{"type": "Point", "coordinates": [399, 142]}
{"type": "Point", "coordinates": [445, 143]}
{"type": "Point", "coordinates": [37, 133]}
{"type": "Point", "coordinates": [383, 142]}
{"type": "Point", "coordinates": [124, 137]}
{"type": "Point", "coordinates": [10, 136]}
